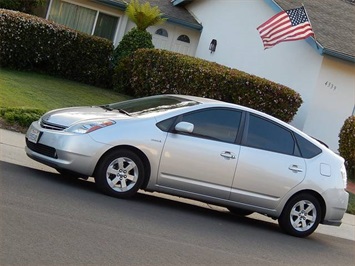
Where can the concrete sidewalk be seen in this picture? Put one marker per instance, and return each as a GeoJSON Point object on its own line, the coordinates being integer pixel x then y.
{"type": "Point", "coordinates": [12, 151]}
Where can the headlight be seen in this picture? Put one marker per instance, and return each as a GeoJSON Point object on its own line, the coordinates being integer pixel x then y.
{"type": "Point", "coordinates": [344, 175]}
{"type": "Point", "coordinates": [89, 126]}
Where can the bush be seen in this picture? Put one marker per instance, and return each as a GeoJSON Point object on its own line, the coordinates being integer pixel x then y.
{"type": "Point", "coordinates": [33, 43]}
{"type": "Point", "coordinates": [151, 71]}
{"type": "Point", "coordinates": [26, 6]}
{"type": "Point", "coordinates": [22, 116]}
{"type": "Point", "coordinates": [347, 143]}
{"type": "Point", "coordinates": [133, 40]}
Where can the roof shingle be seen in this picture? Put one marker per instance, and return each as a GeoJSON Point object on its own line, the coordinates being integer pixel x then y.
{"type": "Point", "coordinates": [332, 22]}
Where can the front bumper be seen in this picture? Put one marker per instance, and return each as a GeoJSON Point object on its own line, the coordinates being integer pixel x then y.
{"type": "Point", "coordinates": [62, 150]}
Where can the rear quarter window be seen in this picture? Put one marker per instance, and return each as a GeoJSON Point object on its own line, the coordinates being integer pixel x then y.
{"type": "Point", "coordinates": [308, 149]}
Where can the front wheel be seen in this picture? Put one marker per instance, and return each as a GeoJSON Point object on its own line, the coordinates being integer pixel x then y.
{"type": "Point", "coordinates": [120, 174]}
{"type": "Point", "coordinates": [301, 215]}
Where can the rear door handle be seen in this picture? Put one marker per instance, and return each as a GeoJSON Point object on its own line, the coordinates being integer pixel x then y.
{"type": "Point", "coordinates": [228, 155]}
{"type": "Point", "coordinates": [295, 168]}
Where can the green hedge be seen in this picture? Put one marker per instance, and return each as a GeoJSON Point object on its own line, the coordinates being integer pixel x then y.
{"type": "Point", "coordinates": [26, 6]}
{"type": "Point", "coordinates": [152, 71]}
{"type": "Point", "coordinates": [22, 116]}
{"type": "Point", "coordinates": [32, 43]}
{"type": "Point", "coordinates": [347, 143]}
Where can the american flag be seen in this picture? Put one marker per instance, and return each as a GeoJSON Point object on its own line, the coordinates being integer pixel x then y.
{"type": "Point", "coordinates": [288, 25]}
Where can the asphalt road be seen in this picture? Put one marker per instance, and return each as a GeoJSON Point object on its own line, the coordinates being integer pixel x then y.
{"type": "Point", "coordinates": [49, 220]}
{"type": "Point", "coordinates": [46, 219]}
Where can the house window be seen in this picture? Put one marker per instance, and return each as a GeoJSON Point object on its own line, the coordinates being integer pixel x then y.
{"type": "Point", "coordinates": [162, 32]}
{"type": "Point", "coordinates": [184, 38]}
{"type": "Point", "coordinates": [83, 19]}
{"type": "Point", "coordinates": [106, 26]}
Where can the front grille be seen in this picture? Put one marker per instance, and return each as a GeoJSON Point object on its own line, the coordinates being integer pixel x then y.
{"type": "Point", "coordinates": [47, 125]}
{"type": "Point", "coordinates": [42, 149]}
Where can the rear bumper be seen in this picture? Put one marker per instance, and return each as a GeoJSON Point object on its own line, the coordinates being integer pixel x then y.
{"type": "Point", "coordinates": [337, 203]}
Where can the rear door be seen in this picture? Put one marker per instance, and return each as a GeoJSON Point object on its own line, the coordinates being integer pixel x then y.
{"type": "Point", "coordinates": [268, 166]}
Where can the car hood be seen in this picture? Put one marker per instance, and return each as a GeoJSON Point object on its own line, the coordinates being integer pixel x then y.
{"type": "Point", "coordinates": [68, 116]}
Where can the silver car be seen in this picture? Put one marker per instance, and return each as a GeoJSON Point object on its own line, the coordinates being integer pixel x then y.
{"type": "Point", "coordinates": [197, 148]}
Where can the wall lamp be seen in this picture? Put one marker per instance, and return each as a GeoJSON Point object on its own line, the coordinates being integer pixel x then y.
{"type": "Point", "coordinates": [213, 46]}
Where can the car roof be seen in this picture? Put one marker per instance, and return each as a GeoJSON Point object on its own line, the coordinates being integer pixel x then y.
{"type": "Point", "coordinates": [207, 102]}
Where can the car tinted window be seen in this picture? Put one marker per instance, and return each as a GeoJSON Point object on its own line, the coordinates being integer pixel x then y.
{"type": "Point", "coordinates": [267, 135]}
{"type": "Point", "coordinates": [307, 148]}
{"type": "Point", "coordinates": [166, 124]}
{"type": "Point", "coordinates": [217, 124]}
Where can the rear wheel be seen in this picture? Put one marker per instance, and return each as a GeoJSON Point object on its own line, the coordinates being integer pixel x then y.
{"type": "Point", "coordinates": [120, 174]}
{"type": "Point", "coordinates": [301, 215]}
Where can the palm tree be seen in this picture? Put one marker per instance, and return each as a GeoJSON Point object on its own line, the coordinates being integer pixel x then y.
{"type": "Point", "coordinates": [144, 15]}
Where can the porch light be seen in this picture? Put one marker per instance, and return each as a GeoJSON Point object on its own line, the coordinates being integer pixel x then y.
{"type": "Point", "coordinates": [213, 45]}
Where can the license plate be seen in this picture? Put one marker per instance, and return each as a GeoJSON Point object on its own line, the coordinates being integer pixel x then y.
{"type": "Point", "coordinates": [33, 135]}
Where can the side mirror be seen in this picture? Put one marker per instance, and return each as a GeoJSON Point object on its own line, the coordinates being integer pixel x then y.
{"type": "Point", "coordinates": [185, 127]}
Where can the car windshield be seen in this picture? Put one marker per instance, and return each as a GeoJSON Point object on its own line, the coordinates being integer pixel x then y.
{"type": "Point", "coordinates": [151, 104]}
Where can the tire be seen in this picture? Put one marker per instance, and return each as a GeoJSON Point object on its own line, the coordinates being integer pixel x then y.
{"type": "Point", "coordinates": [301, 215]}
{"type": "Point", "coordinates": [120, 174]}
{"type": "Point", "coordinates": [239, 212]}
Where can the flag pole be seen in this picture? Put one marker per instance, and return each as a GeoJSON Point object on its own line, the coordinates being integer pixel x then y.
{"type": "Point", "coordinates": [314, 34]}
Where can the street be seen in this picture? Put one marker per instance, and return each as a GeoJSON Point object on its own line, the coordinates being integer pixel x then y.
{"type": "Point", "coordinates": [46, 219]}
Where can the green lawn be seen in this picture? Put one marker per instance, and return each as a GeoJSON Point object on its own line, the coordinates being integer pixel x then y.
{"type": "Point", "coordinates": [32, 90]}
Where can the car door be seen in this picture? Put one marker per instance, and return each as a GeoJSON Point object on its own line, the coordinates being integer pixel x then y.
{"type": "Point", "coordinates": [204, 161]}
{"type": "Point", "coordinates": [268, 164]}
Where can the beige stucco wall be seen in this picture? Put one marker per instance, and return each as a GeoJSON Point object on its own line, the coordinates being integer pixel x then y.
{"type": "Point", "coordinates": [333, 100]}
{"type": "Point", "coordinates": [295, 64]}
{"type": "Point", "coordinates": [171, 43]}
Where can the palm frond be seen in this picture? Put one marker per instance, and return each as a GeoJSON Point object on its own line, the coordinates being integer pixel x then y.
{"type": "Point", "coordinates": [144, 15]}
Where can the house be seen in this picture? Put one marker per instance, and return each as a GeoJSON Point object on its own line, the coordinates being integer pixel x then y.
{"type": "Point", "coordinates": [106, 18]}
{"type": "Point", "coordinates": [322, 71]}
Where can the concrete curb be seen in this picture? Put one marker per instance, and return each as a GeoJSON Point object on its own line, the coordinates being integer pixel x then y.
{"type": "Point", "coordinates": [12, 150]}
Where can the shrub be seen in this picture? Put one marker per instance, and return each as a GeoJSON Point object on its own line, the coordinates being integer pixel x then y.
{"type": "Point", "coordinates": [22, 116]}
{"type": "Point", "coordinates": [133, 40]}
{"type": "Point", "coordinates": [347, 143]}
{"type": "Point", "coordinates": [151, 71]}
{"type": "Point", "coordinates": [33, 43]}
{"type": "Point", "coordinates": [144, 16]}
{"type": "Point", "coordinates": [26, 6]}
{"type": "Point", "coordinates": [120, 78]}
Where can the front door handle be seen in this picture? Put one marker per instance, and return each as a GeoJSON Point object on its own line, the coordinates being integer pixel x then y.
{"type": "Point", "coordinates": [228, 155]}
{"type": "Point", "coordinates": [295, 168]}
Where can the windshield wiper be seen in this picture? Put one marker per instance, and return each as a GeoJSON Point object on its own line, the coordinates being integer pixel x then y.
{"type": "Point", "coordinates": [123, 112]}
{"type": "Point", "coordinates": [106, 107]}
